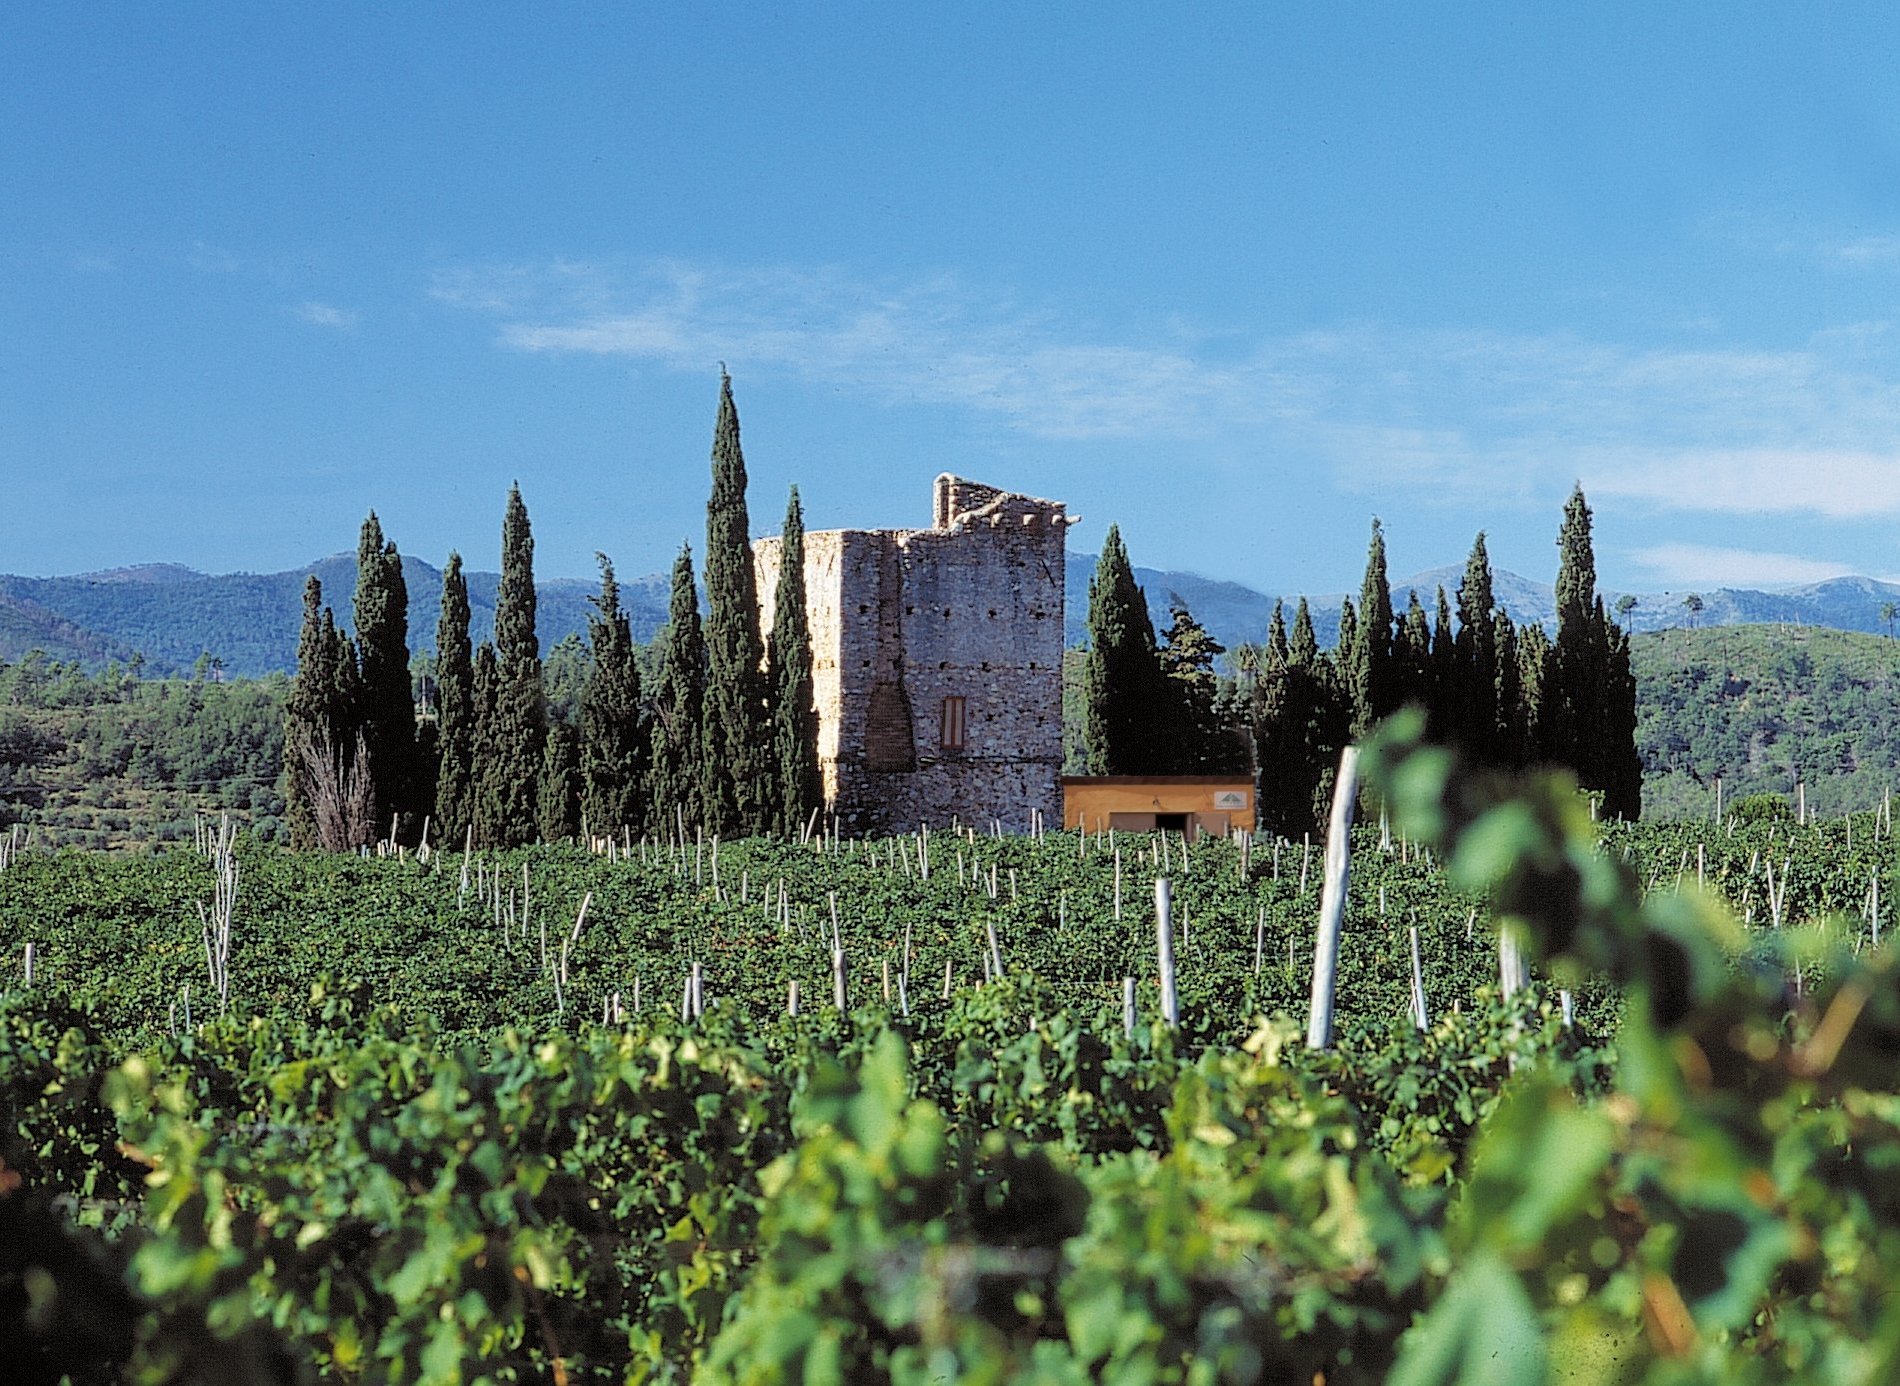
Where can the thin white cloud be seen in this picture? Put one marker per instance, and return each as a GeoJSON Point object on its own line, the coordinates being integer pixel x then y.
{"type": "Point", "coordinates": [1870, 250]}
{"type": "Point", "coordinates": [327, 315]}
{"type": "Point", "coordinates": [1454, 415]}
{"type": "Point", "coordinates": [1684, 565]}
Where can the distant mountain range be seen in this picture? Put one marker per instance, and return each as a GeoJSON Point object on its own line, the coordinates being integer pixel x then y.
{"type": "Point", "coordinates": [248, 621]}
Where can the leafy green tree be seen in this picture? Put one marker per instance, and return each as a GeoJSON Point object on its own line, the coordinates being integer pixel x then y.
{"type": "Point", "coordinates": [557, 797]}
{"type": "Point", "coordinates": [1626, 607]}
{"type": "Point", "coordinates": [1199, 742]}
{"type": "Point", "coordinates": [1692, 605]}
{"type": "Point", "coordinates": [739, 791]}
{"type": "Point", "coordinates": [788, 657]}
{"type": "Point", "coordinates": [677, 782]}
{"type": "Point", "coordinates": [1126, 704]}
{"type": "Point", "coordinates": [520, 712]}
{"type": "Point", "coordinates": [456, 727]}
{"type": "Point", "coordinates": [388, 700]}
{"type": "Point", "coordinates": [1367, 655]}
{"type": "Point", "coordinates": [613, 731]}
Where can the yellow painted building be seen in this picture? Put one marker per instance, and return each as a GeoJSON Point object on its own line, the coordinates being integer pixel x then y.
{"type": "Point", "coordinates": [1198, 805]}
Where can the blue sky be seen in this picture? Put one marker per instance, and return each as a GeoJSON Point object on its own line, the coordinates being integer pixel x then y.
{"type": "Point", "coordinates": [1238, 278]}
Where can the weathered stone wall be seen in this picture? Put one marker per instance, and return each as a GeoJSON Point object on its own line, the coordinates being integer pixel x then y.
{"type": "Point", "coordinates": [902, 620]}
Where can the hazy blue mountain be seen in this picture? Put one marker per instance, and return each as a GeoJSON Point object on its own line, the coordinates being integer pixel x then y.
{"type": "Point", "coordinates": [248, 621]}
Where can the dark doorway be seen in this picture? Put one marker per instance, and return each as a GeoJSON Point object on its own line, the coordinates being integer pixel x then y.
{"type": "Point", "coordinates": [1172, 822]}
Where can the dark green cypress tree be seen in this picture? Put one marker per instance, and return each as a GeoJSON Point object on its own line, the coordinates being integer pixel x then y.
{"type": "Point", "coordinates": [739, 791]}
{"type": "Point", "coordinates": [456, 727]}
{"type": "Point", "coordinates": [1302, 717]}
{"type": "Point", "coordinates": [557, 797]}
{"type": "Point", "coordinates": [382, 645]}
{"type": "Point", "coordinates": [1477, 672]}
{"type": "Point", "coordinates": [613, 732]}
{"type": "Point", "coordinates": [520, 717]}
{"type": "Point", "coordinates": [1575, 670]}
{"type": "Point", "coordinates": [488, 797]}
{"type": "Point", "coordinates": [306, 717]}
{"type": "Point", "coordinates": [1344, 646]}
{"type": "Point", "coordinates": [1533, 664]}
{"type": "Point", "coordinates": [1621, 764]}
{"type": "Point", "coordinates": [1442, 716]}
{"type": "Point", "coordinates": [1303, 647]}
{"type": "Point", "coordinates": [1124, 701]}
{"type": "Point", "coordinates": [1412, 653]}
{"type": "Point", "coordinates": [794, 714]}
{"type": "Point", "coordinates": [1277, 649]}
{"type": "Point", "coordinates": [1507, 700]}
{"type": "Point", "coordinates": [677, 782]}
{"type": "Point", "coordinates": [1367, 657]}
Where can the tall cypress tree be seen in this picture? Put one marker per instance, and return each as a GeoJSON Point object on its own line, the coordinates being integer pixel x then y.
{"type": "Point", "coordinates": [1412, 653]}
{"type": "Point", "coordinates": [1477, 676]}
{"type": "Point", "coordinates": [1589, 701]}
{"type": "Point", "coordinates": [1367, 658]}
{"type": "Point", "coordinates": [1277, 649]}
{"type": "Point", "coordinates": [1343, 648]}
{"type": "Point", "coordinates": [1533, 665]}
{"type": "Point", "coordinates": [1510, 737]}
{"type": "Point", "coordinates": [307, 717]}
{"type": "Point", "coordinates": [739, 788]}
{"type": "Point", "coordinates": [679, 708]}
{"type": "Point", "coordinates": [1575, 667]}
{"type": "Point", "coordinates": [1121, 678]}
{"type": "Point", "coordinates": [488, 796]}
{"type": "Point", "coordinates": [556, 799]}
{"type": "Point", "coordinates": [1621, 765]}
{"type": "Point", "coordinates": [613, 733]}
{"type": "Point", "coordinates": [1304, 645]}
{"type": "Point", "coordinates": [382, 644]}
{"type": "Point", "coordinates": [794, 714]}
{"type": "Point", "coordinates": [520, 716]}
{"type": "Point", "coordinates": [455, 709]}
{"type": "Point", "coordinates": [1302, 717]}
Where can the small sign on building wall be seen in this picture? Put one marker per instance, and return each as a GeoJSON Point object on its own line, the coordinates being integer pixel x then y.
{"type": "Point", "coordinates": [1230, 799]}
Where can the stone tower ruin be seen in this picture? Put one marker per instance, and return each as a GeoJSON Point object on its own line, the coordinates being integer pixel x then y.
{"type": "Point", "coordinates": [937, 661]}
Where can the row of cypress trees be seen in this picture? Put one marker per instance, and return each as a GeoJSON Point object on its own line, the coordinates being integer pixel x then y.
{"type": "Point", "coordinates": [1508, 695]}
{"type": "Point", "coordinates": [1505, 694]}
{"type": "Point", "coordinates": [725, 741]}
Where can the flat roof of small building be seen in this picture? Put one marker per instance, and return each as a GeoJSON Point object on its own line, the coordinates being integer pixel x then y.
{"type": "Point", "coordinates": [1241, 778]}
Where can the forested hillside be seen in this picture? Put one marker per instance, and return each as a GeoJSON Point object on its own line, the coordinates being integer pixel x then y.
{"type": "Point", "coordinates": [1765, 707]}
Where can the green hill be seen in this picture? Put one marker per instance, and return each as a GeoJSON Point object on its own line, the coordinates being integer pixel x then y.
{"type": "Point", "coordinates": [1765, 707]}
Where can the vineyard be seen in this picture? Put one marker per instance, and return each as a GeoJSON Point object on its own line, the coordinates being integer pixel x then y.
{"type": "Point", "coordinates": [883, 1110]}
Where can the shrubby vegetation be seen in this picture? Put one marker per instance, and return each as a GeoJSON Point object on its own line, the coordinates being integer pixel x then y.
{"type": "Point", "coordinates": [109, 760]}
